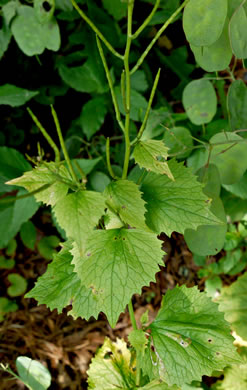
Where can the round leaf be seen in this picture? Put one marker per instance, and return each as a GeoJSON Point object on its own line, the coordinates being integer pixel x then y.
{"type": "Point", "coordinates": [237, 105]}
{"type": "Point", "coordinates": [33, 373]}
{"type": "Point", "coordinates": [200, 101]}
{"type": "Point", "coordinates": [238, 33]}
{"type": "Point", "coordinates": [203, 21]}
{"type": "Point", "coordinates": [178, 140]}
{"type": "Point", "coordinates": [18, 285]}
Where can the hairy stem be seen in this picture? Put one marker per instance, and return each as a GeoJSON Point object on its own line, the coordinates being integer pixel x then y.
{"type": "Point", "coordinates": [46, 135]}
{"type": "Point", "coordinates": [96, 30]}
{"type": "Point", "coordinates": [154, 40]}
{"type": "Point", "coordinates": [109, 79]}
{"type": "Point", "coordinates": [61, 140]}
{"type": "Point", "coordinates": [132, 315]}
{"type": "Point", "coordinates": [128, 89]}
{"type": "Point", "coordinates": [11, 199]}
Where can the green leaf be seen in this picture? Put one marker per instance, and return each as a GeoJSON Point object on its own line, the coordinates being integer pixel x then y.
{"type": "Point", "coordinates": [237, 101]}
{"type": "Point", "coordinates": [191, 336]}
{"type": "Point", "coordinates": [47, 245]}
{"type": "Point", "coordinates": [33, 373]}
{"type": "Point", "coordinates": [176, 205]}
{"type": "Point", "coordinates": [200, 101]}
{"type": "Point", "coordinates": [78, 213]}
{"type": "Point", "coordinates": [82, 78]}
{"type": "Point", "coordinates": [240, 188]}
{"type": "Point", "coordinates": [124, 198]}
{"type": "Point", "coordinates": [6, 263]}
{"type": "Point", "coordinates": [44, 10]}
{"type": "Point", "coordinates": [11, 247]}
{"type": "Point", "coordinates": [99, 181]}
{"type": "Point", "coordinates": [235, 377]}
{"type": "Point", "coordinates": [111, 367]}
{"type": "Point", "coordinates": [233, 303]}
{"type": "Point", "coordinates": [146, 154]}
{"type": "Point", "coordinates": [86, 165]}
{"type": "Point", "coordinates": [15, 96]}
{"type": "Point", "coordinates": [9, 11]}
{"type": "Point", "coordinates": [213, 286]}
{"type": "Point", "coordinates": [139, 81]}
{"type": "Point", "coordinates": [93, 116]}
{"type": "Point", "coordinates": [217, 56]}
{"type": "Point", "coordinates": [138, 340]}
{"type": "Point", "coordinates": [32, 36]}
{"type": "Point", "coordinates": [56, 176]}
{"type": "Point", "coordinates": [18, 285]}
{"type": "Point", "coordinates": [238, 34]}
{"type": "Point", "coordinates": [13, 164]}
{"type": "Point", "coordinates": [5, 38]}
{"type": "Point", "coordinates": [229, 155]}
{"type": "Point", "coordinates": [158, 385]}
{"type": "Point", "coordinates": [116, 264]}
{"type": "Point", "coordinates": [179, 142]}
{"type": "Point", "coordinates": [208, 240]}
{"type": "Point", "coordinates": [116, 8]}
{"type": "Point", "coordinates": [14, 216]}
{"type": "Point", "coordinates": [28, 234]}
{"type": "Point", "coordinates": [197, 21]}
{"type": "Point", "coordinates": [6, 306]}
{"type": "Point", "coordinates": [138, 104]}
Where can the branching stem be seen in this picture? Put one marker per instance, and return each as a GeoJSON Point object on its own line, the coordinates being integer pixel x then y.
{"type": "Point", "coordinates": [154, 40]}
{"type": "Point", "coordinates": [146, 21]}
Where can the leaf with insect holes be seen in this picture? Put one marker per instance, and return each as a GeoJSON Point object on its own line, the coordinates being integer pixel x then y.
{"type": "Point", "coordinates": [146, 154]}
{"type": "Point", "coordinates": [124, 198]}
{"type": "Point", "coordinates": [176, 205]}
{"type": "Point", "coordinates": [78, 213]}
{"type": "Point", "coordinates": [233, 303]}
{"type": "Point", "coordinates": [49, 174]}
{"type": "Point", "coordinates": [191, 336]}
{"type": "Point", "coordinates": [116, 264]}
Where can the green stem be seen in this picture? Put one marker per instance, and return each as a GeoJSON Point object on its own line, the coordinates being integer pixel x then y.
{"type": "Point", "coordinates": [96, 30]}
{"type": "Point", "coordinates": [61, 140]}
{"type": "Point", "coordinates": [127, 82]}
{"type": "Point", "coordinates": [13, 199]}
{"type": "Point", "coordinates": [146, 21]}
{"type": "Point", "coordinates": [108, 161]}
{"type": "Point", "coordinates": [46, 135]}
{"type": "Point", "coordinates": [161, 30]}
{"type": "Point", "coordinates": [143, 126]}
{"type": "Point", "coordinates": [109, 79]}
{"type": "Point", "coordinates": [132, 315]}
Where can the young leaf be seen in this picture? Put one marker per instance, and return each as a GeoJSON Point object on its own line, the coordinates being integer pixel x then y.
{"type": "Point", "coordinates": [233, 303]}
{"type": "Point", "coordinates": [116, 264]}
{"type": "Point", "coordinates": [6, 263]}
{"type": "Point", "coordinates": [138, 340]}
{"type": "Point", "coordinates": [146, 155]}
{"type": "Point", "coordinates": [217, 56]}
{"type": "Point", "coordinates": [6, 306]}
{"type": "Point", "coordinates": [124, 198]}
{"type": "Point", "coordinates": [15, 96]}
{"type": "Point", "coordinates": [197, 21]}
{"type": "Point", "coordinates": [237, 102]}
{"type": "Point", "coordinates": [191, 336]}
{"type": "Point", "coordinates": [51, 174]}
{"type": "Point", "coordinates": [200, 101]}
{"type": "Point", "coordinates": [78, 213]}
{"type": "Point", "coordinates": [176, 205]}
{"type": "Point", "coordinates": [92, 116]}
{"type": "Point", "coordinates": [33, 373]}
{"type": "Point", "coordinates": [18, 285]}
{"type": "Point", "coordinates": [33, 36]}
{"type": "Point", "coordinates": [47, 245]}
{"type": "Point", "coordinates": [111, 367]}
